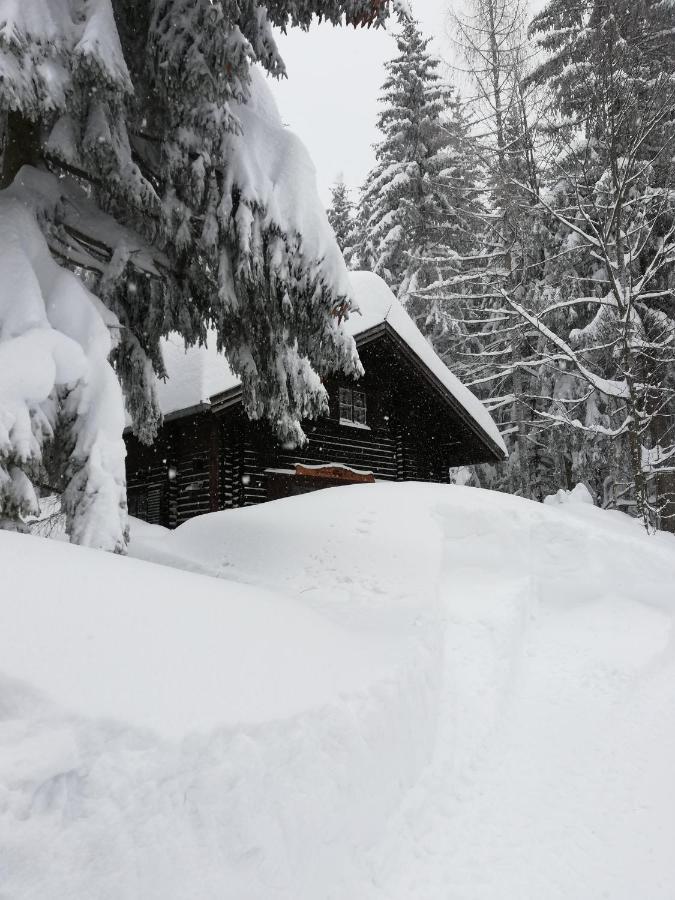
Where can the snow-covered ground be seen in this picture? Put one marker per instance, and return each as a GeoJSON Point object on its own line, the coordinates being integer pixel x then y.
{"type": "Point", "coordinates": [388, 692]}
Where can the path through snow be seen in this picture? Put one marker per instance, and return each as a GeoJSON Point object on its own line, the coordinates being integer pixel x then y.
{"type": "Point", "coordinates": [551, 777]}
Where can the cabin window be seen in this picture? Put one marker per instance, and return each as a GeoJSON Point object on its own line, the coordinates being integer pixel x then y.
{"type": "Point", "coordinates": [352, 406]}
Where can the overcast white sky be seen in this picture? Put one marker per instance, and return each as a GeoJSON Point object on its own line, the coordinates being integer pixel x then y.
{"type": "Point", "coordinates": [334, 78]}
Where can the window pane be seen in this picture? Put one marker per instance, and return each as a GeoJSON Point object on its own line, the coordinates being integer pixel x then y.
{"type": "Point", "coordinates": [346, 404]}
{"type": "Point", "coordinates": [359, 405]}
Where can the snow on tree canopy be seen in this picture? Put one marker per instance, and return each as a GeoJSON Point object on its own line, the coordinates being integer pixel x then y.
{"type": "Point", "coordinates": [271, 168]}
{"type": "Point", "coordinates": [198, 373]}
{"type": "Point", "coordinates": [145, 142]}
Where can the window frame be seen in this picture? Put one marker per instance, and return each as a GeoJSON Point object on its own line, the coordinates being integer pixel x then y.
{"type": "Point", "coordinates": [353, 407]}
{"type": "Point", "coordinates": [360, 408]}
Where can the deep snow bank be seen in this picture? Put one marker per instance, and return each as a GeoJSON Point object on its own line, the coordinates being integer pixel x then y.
{"type": "Point", "coordinates": [169, 735]}
{"type": "Point", "coordinates": [389, 692]}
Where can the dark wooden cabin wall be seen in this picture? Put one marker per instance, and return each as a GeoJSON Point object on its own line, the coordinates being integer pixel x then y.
{"type": "Point", "coordinates": [435, 440]}
{"type": "Point", "coordinates": [210, 461]}
{"type": "Point", "coordinates": [407, 439]}
{"type": "Point", "coordinates": [230, 462]}
{"type": "Point", "coordinates": [328, 442]}
{"type": "Point", "coordinates": [371, 450]}
{"type": "Point", "coordinates": [423, 430]}
{"type": "Point", "coordinates": [191, 440]}
{"type": "Point", "coordinates": [418, 463]}
{"type": "Point", "coordinates": [248, 450]}
{"type": "Point", "coordinates": [147, 479]}
{"type": "Point", "coordinates": [171, 478]}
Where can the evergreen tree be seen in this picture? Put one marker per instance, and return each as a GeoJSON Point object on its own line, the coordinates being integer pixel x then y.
{"type": "Point", "coordinates": [404, 200]}
{"type": "Point", "coordinates": [142, 139]}
{"type": "Point", "coordinates": [341, 218]}
{"type": "Point", "coordinates": [443, 279]}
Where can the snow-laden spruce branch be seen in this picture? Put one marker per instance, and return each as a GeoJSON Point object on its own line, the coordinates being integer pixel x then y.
{"type": "Point", "coordinates": [145, 143]}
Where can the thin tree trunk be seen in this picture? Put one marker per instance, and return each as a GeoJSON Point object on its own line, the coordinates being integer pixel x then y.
{"type": "Point", "coordinates": [496, 85]}
{"type": "Point", "coordinates": [523, 450]}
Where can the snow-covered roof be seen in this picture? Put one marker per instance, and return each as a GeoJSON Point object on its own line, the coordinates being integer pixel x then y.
{"type": "Point", "coordinates": [197, 374]}
{"type": "Point", "coordinates": [194, 375]}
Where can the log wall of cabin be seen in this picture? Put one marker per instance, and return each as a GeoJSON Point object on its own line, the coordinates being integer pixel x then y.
{"type": "Point", "coordinates": [328, 442]}
{"type": "Point", "coordinates": [174, 473]}
{"type": "Point", "coordinates": [191, 439]}
{"type": "Point", "coordinates": [148, 478]}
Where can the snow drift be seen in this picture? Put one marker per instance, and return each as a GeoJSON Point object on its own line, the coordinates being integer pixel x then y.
{"type": "Point", "coordinates": [388, 691]}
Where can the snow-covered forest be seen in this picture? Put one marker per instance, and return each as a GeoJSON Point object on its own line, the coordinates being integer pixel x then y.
{"type": "Point", "coordinates": [527, 221]}
{"type": "Point", "coordinates": [337, 539]}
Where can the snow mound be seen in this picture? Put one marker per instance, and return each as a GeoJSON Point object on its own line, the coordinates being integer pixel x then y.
{"type": "Point", "coordinates": [578, 494]}
{"type": "Point", "coordinates": [389, 692]}
{"type": "Point", "coordinates": [243, 635]}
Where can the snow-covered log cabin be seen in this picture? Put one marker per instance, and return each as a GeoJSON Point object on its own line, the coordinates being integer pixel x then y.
{"type": "Point", "coordinates": [408, 418]}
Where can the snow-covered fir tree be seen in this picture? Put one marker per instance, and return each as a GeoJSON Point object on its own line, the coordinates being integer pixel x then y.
{"type": "Point", "coordinates": [404, 203]}
{"type": "Point", "coordinates": [342, 220]}
{"type": "Point", "coordinates": [142, 140]}
{"type": "Point", "coordinates": [443, 276]}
